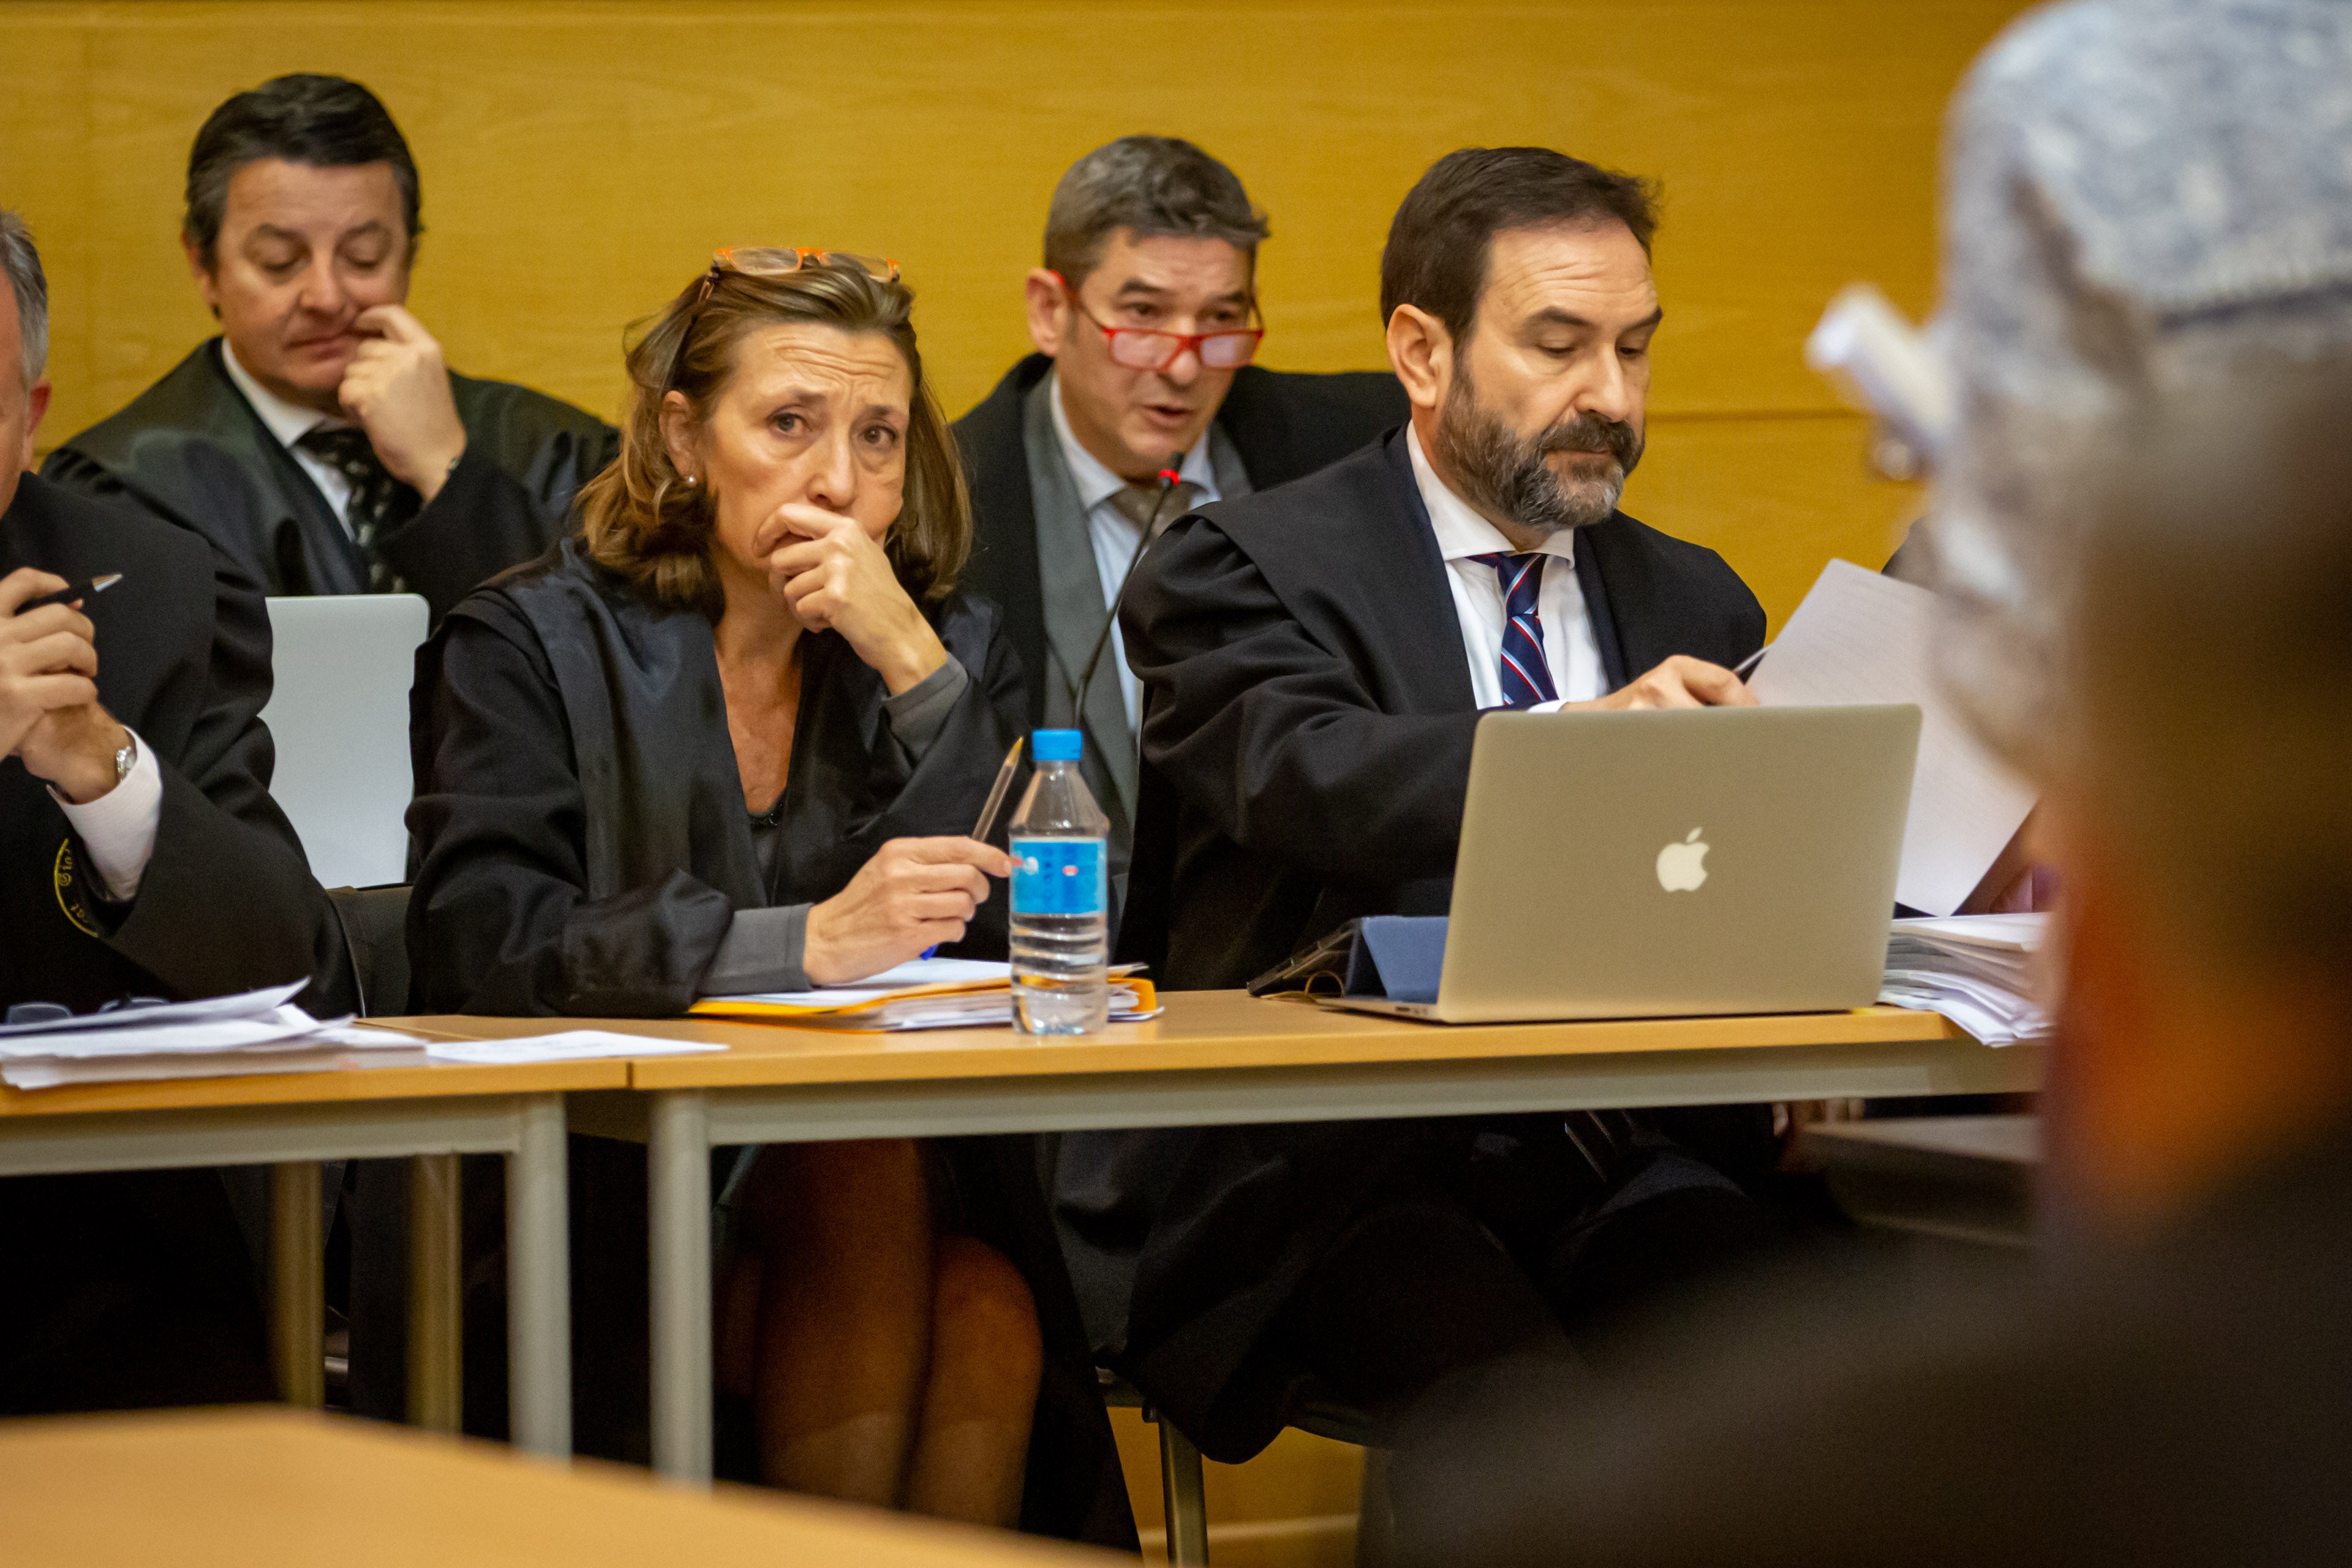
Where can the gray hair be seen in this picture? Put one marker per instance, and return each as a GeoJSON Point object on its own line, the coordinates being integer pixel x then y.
{"type": "Point", "coordinates": [2139, 200]}
{"type": "Point", "coordinates": [31, 287]}
{"type": "Point", "coordinates": [1155, 185]}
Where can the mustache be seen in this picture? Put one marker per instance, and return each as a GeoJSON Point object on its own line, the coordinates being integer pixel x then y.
{"type": "Point", "coordinates": [1594, 433]}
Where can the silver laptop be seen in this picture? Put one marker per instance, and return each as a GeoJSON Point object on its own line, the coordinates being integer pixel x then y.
{"type": "Point", "coordinates": [340, 671]}
{"type": "Point", "coordinates": [1667, 864]}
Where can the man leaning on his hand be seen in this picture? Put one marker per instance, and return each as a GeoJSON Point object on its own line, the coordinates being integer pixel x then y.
{"type": "Point", "coordinates": [320, 441]}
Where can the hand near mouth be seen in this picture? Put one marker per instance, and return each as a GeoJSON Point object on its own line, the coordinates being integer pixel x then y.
{"type": "Point", "coordinates": [397, 388]}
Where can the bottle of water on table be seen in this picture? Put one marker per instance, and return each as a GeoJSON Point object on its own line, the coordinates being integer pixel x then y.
{"type": "Point", "coordinates": [1061, 896]}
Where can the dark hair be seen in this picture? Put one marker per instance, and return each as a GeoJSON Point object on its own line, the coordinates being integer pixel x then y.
{"type": "Point", "coordinates": [21, 263]}
{"type": "Point", "coordinates": [642, 520]}
{"type": "Point", "coordinates": [323, 121]}
{"type": "Point", "coordinates": [1154, 184]}
{"type": "Point", "coordinates": [1436, 254]}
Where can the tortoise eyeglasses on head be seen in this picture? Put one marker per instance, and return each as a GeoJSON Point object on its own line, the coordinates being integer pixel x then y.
{"type": "Point", "coordinates": [772, 261]}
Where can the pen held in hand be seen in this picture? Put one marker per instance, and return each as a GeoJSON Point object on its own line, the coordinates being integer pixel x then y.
{"type": "Point", "coordinates": [1751, 661]}
{"type": "Point", "coordinates": [90, 588]}
{"type": "Point", "coordinates": [987, 823]}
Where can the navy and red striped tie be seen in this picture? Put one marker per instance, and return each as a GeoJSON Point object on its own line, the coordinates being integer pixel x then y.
{"type": "Point", "coordinates": [1525, 672]}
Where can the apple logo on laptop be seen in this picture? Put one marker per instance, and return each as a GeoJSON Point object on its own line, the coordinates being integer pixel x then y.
{"type": "Point", "coordinates": [1683, 867]}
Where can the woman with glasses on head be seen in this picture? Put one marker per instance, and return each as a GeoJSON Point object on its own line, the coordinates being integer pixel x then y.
{"type": "Point", "coordinates": [730, 737]}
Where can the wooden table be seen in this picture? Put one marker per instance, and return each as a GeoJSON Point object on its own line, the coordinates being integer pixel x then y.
{"type": "Point", "coordinates": [291, 1121]}
{"type": "Point", "coordinates": [281, 1488]}
{"type": "Point", "coordinates": [1216, 1058]}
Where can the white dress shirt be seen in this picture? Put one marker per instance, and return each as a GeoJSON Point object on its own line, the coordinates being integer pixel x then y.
{"type": "Point", "coordinates": [289, 422]}
{"type": "Point", "coordinates": [1478, 601]}
{"type": "Point", "coordinates": [1114, 537]}
{"type": "Point", "coordinates": [118, 828]}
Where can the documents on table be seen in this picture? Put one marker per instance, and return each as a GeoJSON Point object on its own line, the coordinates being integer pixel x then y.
{"type": "Point", "coordinates": [1860, 636]}
{"type": "Point", "coordinates": [220, 1036]}
{"type": "Point", "coordinates": [928, 993]}
{"type": "Point", "coordinates": [571, 1046]}
{"type": "Point", "coordinates": [1976, 970]}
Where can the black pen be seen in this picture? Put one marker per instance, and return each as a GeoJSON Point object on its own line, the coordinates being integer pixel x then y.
{"type": "Point", "coordinates": [89, 589]}
{"type": "Point", "coordinates": [1751, 661]}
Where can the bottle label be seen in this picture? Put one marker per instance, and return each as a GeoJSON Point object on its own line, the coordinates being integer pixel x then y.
{"type": "Point", "coordinates": [1059, 877]}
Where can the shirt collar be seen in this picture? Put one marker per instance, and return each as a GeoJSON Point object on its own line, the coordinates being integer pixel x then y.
{"type": "Point", "coordinates": [1461, 532]}
{"type": "Point", "coordinates": [289, 422]}
{"type": "Point", "coordinates": [1097, 484]}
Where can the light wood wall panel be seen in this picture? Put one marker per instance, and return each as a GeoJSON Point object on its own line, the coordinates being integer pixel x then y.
{"type": "Point", "coordinates": [581, 160]}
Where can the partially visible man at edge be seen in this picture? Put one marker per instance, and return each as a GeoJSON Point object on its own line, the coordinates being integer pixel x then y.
{"type": "Point", "coordinates": [319, 441]}
{"type": "Point", "coordinates": [140, 855]}
{"type": "Point", "coordinates": [1145, 315]}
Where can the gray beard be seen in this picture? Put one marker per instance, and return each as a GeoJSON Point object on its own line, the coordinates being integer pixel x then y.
{"type": "Point", "coordinates": [1505, 474]}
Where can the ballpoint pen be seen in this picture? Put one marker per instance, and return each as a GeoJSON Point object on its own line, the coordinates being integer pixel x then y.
{"type": "Point", "coordinates": [88, 589]}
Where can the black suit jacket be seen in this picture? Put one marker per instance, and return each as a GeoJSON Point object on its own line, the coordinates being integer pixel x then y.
{"type": "Point", "coordinates": [191, 451]}
{"type": "Point", "coordinates": [1307, 734]}
{"type": "Point", "coordinates": [2176, 1399]}
{"type": "Point", "coordinates": [1282, 425]}
{"type": "Point", "coordinates": [228, 902]}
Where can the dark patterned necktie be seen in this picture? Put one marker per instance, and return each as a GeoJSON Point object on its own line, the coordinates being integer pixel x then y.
{"type": "Point", "coordinates": [379, 504]}
{"type": "Point", "coordinates": [1525, 672]}
{"type": "Point", "coordinates": [1141, 504]}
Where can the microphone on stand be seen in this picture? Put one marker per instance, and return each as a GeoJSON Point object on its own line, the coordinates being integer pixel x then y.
{"type": "Point", "coordinates": [1170, 477]}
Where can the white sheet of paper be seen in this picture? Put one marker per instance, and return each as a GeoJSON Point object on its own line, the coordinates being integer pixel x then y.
{"type": "Point", "coordinates": [573, 1044]}
{"type": "Point", "coordinates": [1862, 637]}
{"type": "Point", "coordinates": [259, 1003]}
{"type": "Point", "coordinates": [289, 1025]}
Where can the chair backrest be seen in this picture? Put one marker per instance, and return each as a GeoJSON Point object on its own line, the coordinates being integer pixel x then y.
{"type": "Point", "coordinates": [341, 668]}
{"type": "Point", "coordinates": [375, 935]}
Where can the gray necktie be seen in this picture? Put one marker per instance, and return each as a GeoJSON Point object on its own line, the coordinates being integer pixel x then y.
{"type": "Point", "coordinates": [1139, 504]}
{"type": "Point", "coordinates": [379, 504]}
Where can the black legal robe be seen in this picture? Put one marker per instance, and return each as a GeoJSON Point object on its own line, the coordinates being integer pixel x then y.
{"type": "Point", "coordinates": [1306, 738]}
{"type": "Point", "coordinates": [134, 1289]}
{"type": "Point", "coordinates": [584, 842]}
{"type": "Point", "coordinates": [1284, 424]}
{"type": "Point", "coordinates": [191, 451]}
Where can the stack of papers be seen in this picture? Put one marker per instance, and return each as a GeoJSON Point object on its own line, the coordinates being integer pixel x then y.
{"type": "Point", "coordinates": [221, 1036]}
{"type": "Point", "coordinates": [929, 993]}
{"type": "Point", "coordinates": [1975, 970]}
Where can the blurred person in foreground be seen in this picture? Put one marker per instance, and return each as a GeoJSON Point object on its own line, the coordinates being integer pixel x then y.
{"type": "Point", "coordinates": [319, 442]}
{"type": "Point", "coordinates": [140, 855]}
{"type": "Point", "coordinates": [730, 737]}
{"type": "Point", "coordinates": [2144, 535]}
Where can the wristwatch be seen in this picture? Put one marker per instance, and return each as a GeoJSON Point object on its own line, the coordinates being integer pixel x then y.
{"type": "Point", "coordinates": [127, 758]}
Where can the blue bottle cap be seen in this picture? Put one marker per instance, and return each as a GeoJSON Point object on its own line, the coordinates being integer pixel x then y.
{"type": "Point", "coordinates": [1054, 745]}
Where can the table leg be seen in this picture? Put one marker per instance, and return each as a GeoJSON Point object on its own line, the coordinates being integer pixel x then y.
{"type": "Point", "coordinates": [436, 1312]}
{"type": "Point", "coordinates": [297, 1284]}
{"type": "Point", "coordinates": [677, 1158]}
{"type": "Point", "coordinates": [539, 1284]}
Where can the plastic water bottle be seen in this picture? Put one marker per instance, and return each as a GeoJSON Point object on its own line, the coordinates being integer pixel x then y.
{"type": "Point", "coordinates": [1061, 896]}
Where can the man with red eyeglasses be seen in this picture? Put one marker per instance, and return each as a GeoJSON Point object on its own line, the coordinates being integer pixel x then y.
{"type": "Point", "coordinates": [1145, 322]}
